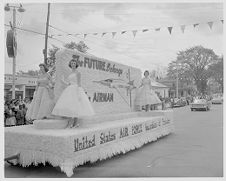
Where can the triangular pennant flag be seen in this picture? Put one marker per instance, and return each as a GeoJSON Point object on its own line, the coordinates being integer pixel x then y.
{"type": "Point", "coordinates": [170, 29]}
{"type": "Point", "coordinates": [144, 30]}
{"type": "Point", "coordinates": [113, 34]}
{"type": "Point", "coordinates": [210, 24]}
{"type": "Point", "coordinates": [103, 34]}
{"type": "Point", "coordinates": [85, 35]}
{"type": "Point", "coordinates": [134, 33]}
{"type": "Point", "coordinates": [222, 21]}
{"type": "Point", "coordinates": [182, 28]}
{"type": "Point", "coordinates": [195, 25]}
{"type": "Point", "coordinates": [157, 29]}
{"type": "Point", "coordinates": [123, 32]}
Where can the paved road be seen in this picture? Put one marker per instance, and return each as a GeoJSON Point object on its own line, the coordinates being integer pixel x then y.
{"type": "Point", "coordinates": [194, 150]}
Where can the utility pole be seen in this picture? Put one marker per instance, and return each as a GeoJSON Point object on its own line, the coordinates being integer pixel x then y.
{"type": "Point", "coordinates": [46, 35]}
{"type": "Point", "coordinates": [21, 10]}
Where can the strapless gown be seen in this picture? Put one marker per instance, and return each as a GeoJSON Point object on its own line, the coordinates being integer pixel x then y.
{"type": "Point", "coordinates": [73, 102]}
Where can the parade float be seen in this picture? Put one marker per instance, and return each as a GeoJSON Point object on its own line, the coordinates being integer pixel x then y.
{"type": "Point", "coordinates": [116, 128]}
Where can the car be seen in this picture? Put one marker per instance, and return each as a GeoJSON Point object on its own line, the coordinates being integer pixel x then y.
{"type": "Point", "coordinates": [200, 104]}
{"type": "Point", "coordinates": [217, 100]}
{"type": "Point", "coordinates": [179, 102]}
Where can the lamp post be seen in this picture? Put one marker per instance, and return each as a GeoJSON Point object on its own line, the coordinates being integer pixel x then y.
{"type": "Point", "coordinates": [21, 10]}
{"type": "Point", "coordinates": [177, 83]}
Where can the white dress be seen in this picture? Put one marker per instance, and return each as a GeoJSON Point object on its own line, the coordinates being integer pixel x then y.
{"type": "Point", "coordinates": [145, 95]}
{"type": "Point", "coordinates": [42, 103]}
{"type": "Point", "coordinates": [73, 102]}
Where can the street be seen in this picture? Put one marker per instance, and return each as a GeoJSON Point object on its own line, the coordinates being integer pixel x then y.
{"type": "Point", "coordinates": [195, 149]}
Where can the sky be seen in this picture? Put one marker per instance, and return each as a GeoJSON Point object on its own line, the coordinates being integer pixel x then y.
{"type": "Point", "coordinates": [151, 50]}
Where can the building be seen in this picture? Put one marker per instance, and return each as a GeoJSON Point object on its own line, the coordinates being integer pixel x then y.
{"type": "Point", "coordinates": [24, 86]}
{"type": "Point", "coordinates": [184, 88]}
{"type": "Point", "coordinates": [160, 89]}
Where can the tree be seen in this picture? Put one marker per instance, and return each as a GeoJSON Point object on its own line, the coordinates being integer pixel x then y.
{"type": "Point", "coordinates": [81, 46]}
{"type": "Point", "coordinates": [193, 65]}
{"type": "Point", "coordinates": [216, 71]}
{"type": "Point", "coordinates": [52, 52]}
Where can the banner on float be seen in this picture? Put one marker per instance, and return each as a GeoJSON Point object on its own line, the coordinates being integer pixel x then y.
{"type": "Point", "coordinates": [95, 139]}
{"type": "Point", "coordinates": [110, 86]}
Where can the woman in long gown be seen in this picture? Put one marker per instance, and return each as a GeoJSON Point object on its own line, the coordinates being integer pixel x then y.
{"type": "Point", "coordinates": [73, 102]}
{"type": "Point", "coordinates": [42, 103]}
{"type": "Point", "coordinates": [146, 96]}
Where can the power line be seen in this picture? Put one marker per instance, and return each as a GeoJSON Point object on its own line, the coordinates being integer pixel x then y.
{"type": "Point", "coordinates": [35, 32]}
{"type": "Point", "coordinates": [27, 30]}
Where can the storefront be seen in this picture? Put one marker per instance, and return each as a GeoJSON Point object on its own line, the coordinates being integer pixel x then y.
{"type": "Point", "coordinates": [24, 86]}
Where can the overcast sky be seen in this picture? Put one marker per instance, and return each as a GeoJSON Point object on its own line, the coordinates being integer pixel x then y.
{"type": "Point", "coordinates": [148, 50]}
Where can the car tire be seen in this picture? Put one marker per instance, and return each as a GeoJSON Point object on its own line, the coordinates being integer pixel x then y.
{"type": "Point", "coordinates": [191, 109]}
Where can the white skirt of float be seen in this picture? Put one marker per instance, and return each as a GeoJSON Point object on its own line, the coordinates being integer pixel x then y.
{"type": "Point", "coordinates": [50, 124]}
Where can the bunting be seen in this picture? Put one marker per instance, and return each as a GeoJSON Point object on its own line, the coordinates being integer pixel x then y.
{"type": "Point", "coordinates": [157, 29]}
{"type": "Point", "coordinates": [210, 24]}
{"type": "Point", "coordinates": [170, 29]}
{"type": "Point", "coordinates": [113, 34]}
{"type": "Point", "coordinates": [182, 28]}
{"type": "Point", "coordinates": [144, 30]}
{"type": "Point", "coordinates": [134, 32]}
{"type": "Point", "coordinates": [103, 34]}
{"type": "Point", "coordinates": [196, 24]}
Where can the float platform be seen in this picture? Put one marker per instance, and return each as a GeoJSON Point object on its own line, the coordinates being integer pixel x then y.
{"type": "Point", "coordinates": [98, 138]}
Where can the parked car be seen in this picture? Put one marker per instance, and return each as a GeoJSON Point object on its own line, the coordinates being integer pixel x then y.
{"type": "Point", "coordinates": [179, 102]}
{"type": "Point", "coordinates": [200, 104]}
{"type": "Point", "coordinates": [217, 100]}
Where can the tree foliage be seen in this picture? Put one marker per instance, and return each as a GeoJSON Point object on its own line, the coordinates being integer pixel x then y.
{"type": "Point", "coordinates": [81, 46]}
{"type": "Point", "coordinates": [52, 52]}
{"type": "Point", "coordinates": [193, 65]}
{"type": "Point", "coordinates": [216, 71]}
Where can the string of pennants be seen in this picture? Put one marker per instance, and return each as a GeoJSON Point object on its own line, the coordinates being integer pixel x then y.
{"type": "Point", "coordinates": [190, 79]}
{"type": "Point", "coordinates": [134, 32]}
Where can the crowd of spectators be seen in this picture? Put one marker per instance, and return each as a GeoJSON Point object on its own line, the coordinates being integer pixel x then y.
{"type": "Point", "coordinates": [15, 112]}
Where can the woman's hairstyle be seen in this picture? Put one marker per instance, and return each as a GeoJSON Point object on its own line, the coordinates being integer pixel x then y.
{"type": "Point", "coordinates": [44, 65]}
{"type": "Point", "coordinates": [75, 59]}
{"type": "Point", "coordinates": [146, 71]}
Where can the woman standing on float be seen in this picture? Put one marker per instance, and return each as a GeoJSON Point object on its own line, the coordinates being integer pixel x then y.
{"type": "Point", "coordinates": [42, 103]}
{"type": "Point", "coordinates": [146, 96]}
{"type": "Point", "coordinates": [73, 102]}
